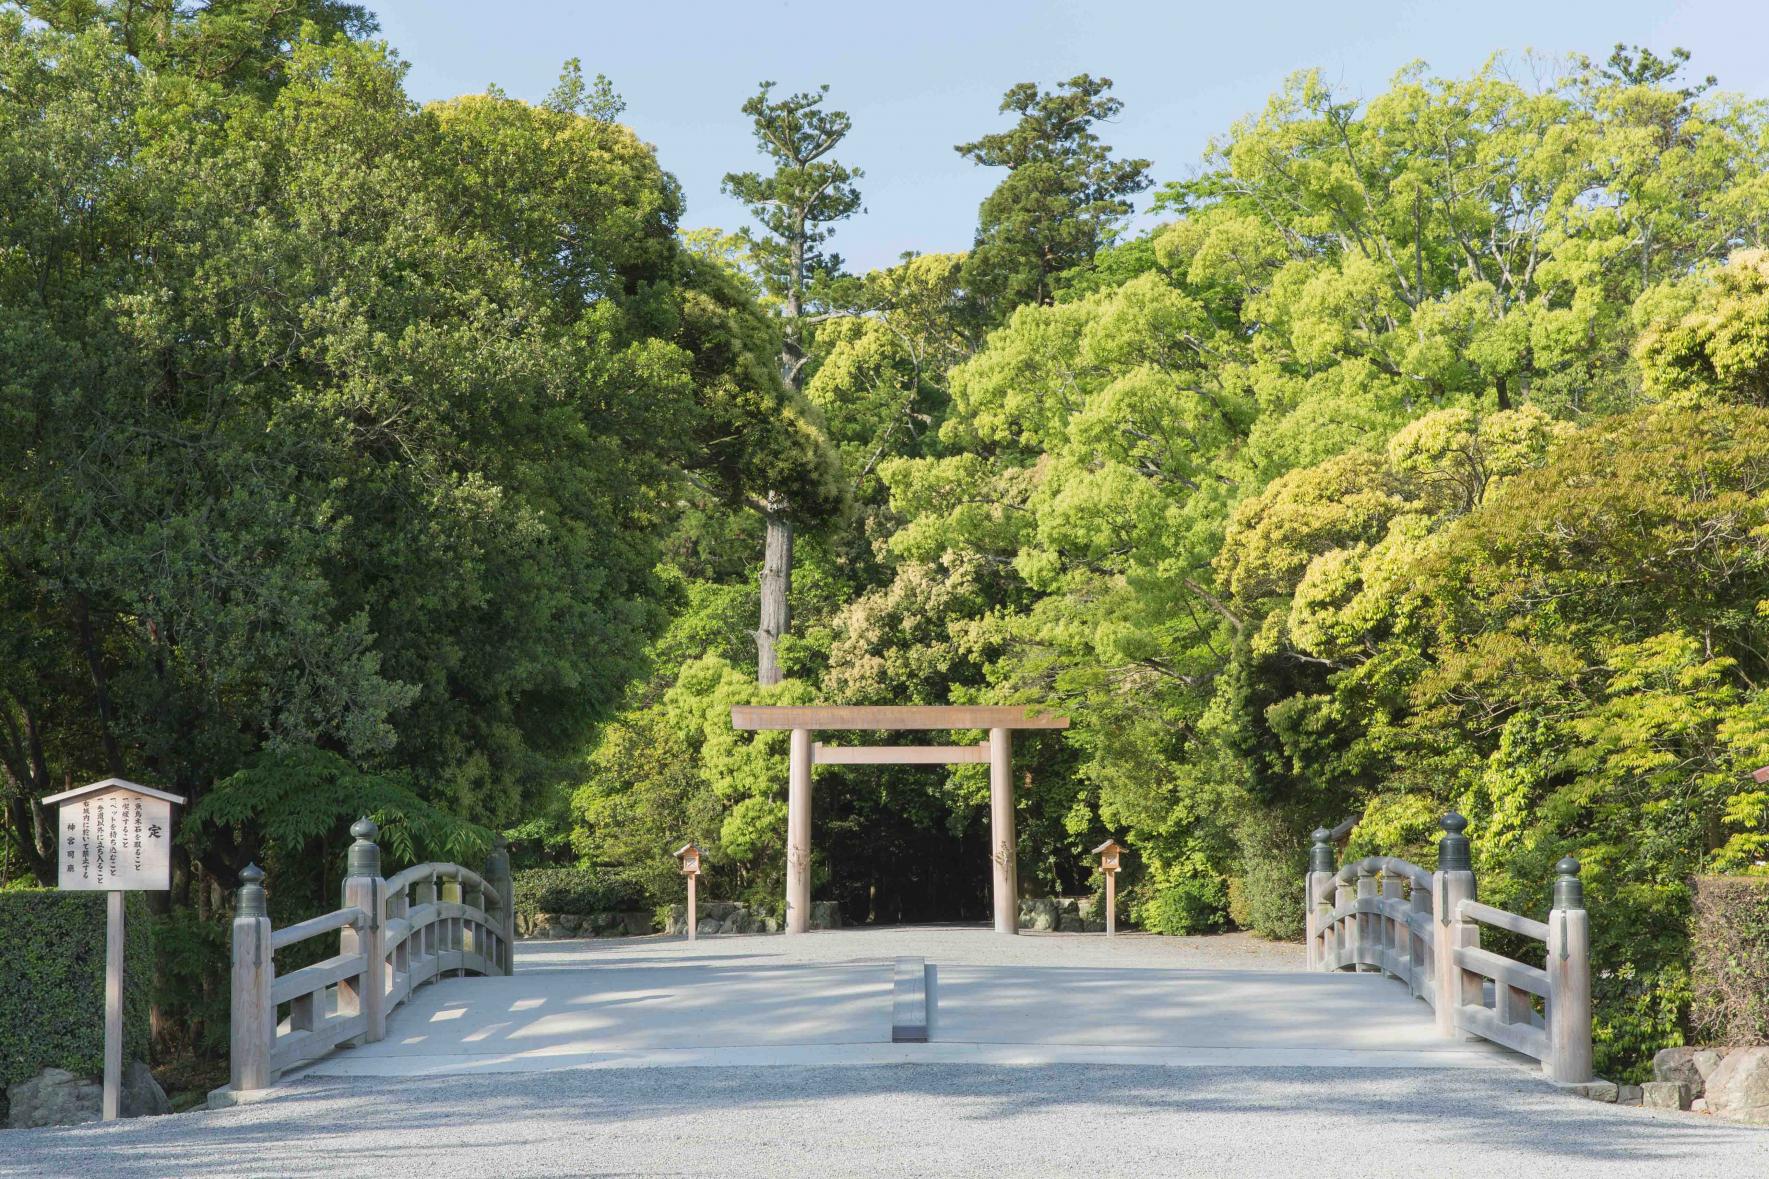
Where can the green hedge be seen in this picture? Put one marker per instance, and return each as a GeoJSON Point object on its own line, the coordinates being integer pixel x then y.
{"type": "Point", "coordinates": [573, 890]}
{"type": "Point", "coordinates": [1729, 960]}
{"type": "Point", "coordinates": [52, 985]}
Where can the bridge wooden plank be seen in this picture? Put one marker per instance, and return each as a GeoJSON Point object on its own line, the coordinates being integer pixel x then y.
{"type": "Point", "coordinates": [883, 717]}
{"type": "Point", "coordinates": [316, 977]}
{"type": "Point", "coordinates": [297, 1047]}
{"type": "Point", "coordinates": [314, 926]}
{"type": "Point", "coordinates": [1503, 970]}
{"type": "Point", "coordinates": [1519, 1037]}
{"type": "Point", "coordinates": [905, 755]}
{"type": "Point", "coordinates": [1475, 911]}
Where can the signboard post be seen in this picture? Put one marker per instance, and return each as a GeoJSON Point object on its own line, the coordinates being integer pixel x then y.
{"type": "Point", "coordinates": [1108, 853]}
{"type": "Point", "coordinates": [689, 855]}
{"type": "Point", "coordinates": [113, 837]}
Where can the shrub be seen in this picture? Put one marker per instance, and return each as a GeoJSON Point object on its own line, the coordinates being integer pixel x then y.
{"type": "Point", "coordinates": [52, 989]}
{"type": "Point", "coordinates": [1189, 904]}
{"type": "Point", "coordinates": [575, 890]}
{"type": "Point", "coordinates": [1272, 892]}
{"type": "Point", "coordinates": [1729, 959]}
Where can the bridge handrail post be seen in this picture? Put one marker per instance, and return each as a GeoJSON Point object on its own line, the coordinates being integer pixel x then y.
{"type": "Point", "coordinates": [1452, 884]}
{"type": "Point", "coordinates": [1569, 978]}
{"type": "Point", "coordinates": [366, 890]}
{"type": "Point", "coordinates": [1419, 972]}
{"type": "Point", "coordinates": [1344, 929]}
{"type": "Point", "coordinates": [1369, 930]}
{"type": "Point", "coordinates": [451, 928]}
{"type": "Point", "coordinates": [1318, 892]}
{"type": "Point", "coordinates": [497, 875]}
{"type": "Point", "coordinates": [253, 1019]}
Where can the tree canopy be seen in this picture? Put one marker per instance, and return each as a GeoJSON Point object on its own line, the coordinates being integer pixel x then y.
{"type": "Point", "coordinates": [361, 454]}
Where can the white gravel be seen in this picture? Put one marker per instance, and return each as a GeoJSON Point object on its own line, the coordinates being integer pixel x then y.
{"type": "Point", "coordinates": [909, 1120]}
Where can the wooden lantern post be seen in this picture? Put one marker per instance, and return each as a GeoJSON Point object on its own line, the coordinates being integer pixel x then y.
{"type": "Point", "coordinates": [1108, 853]}
{"type": "Point", "coordinates": [689, 855]}
{"type": "Point", "coordinates": [114, 837]}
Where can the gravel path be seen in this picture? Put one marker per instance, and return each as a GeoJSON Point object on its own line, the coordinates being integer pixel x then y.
{"type": "Point", "coordinates": [908, 1120]}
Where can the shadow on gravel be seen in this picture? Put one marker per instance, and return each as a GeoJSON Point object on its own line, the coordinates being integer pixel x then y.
{"type": "Point", "coordinates": [455, 1125]}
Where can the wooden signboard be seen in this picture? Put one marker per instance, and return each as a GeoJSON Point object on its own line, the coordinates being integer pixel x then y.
{"type": "Point", "coordinates": [113, 837]}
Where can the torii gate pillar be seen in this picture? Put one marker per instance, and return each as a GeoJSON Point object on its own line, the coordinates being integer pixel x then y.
{"type": "Point", "coordinates": [1004, 842]}
{"type": "Point", "coordinates": [798, 834]}
{"type": "Point", "coordinates": [997, 751]}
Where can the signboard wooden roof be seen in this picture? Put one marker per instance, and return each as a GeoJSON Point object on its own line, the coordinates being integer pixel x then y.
{"type": "Point", "coordinates": [1110, 845]}
{"type": "Point", "coordinates": [113, 784]}
{"type": "Point", "coordinates": [873, 717]}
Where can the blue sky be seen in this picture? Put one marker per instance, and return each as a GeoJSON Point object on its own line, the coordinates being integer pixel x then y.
{"type": "Point", "coordinates": [918, 77]}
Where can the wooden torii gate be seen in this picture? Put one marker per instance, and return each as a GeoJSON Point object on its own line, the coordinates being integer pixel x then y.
{"type": "Point", "coordinates": [997, 751]}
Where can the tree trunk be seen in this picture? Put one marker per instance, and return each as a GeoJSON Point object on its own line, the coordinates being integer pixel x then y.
{"type": "Point", "coordinates": [776, 592]}
{"type": "Point", "coordinates": [776, 612]}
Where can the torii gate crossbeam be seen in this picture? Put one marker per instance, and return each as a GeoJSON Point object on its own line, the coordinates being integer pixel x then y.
{"type": "Point", "coordinates": [997, 751]}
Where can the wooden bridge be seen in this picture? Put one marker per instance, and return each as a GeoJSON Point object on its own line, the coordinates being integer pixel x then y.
{"type": "Point", "coordinates": [1392, 975]}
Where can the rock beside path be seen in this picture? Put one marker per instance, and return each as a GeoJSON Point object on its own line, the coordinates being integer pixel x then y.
{"type": "Point", "coordinates": [57, 1097]}
{"type": "Point", "coordinates": [1739, 1087]}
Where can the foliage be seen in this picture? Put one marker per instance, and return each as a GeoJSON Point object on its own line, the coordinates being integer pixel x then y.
{"type": "Point", "coordinates": [1062, 200]}
{"type": "Point", "coordinates": [806, 193]}
{"type": "Point", "coordinates": [1729, 941]}
{"type": "Point", "coordinates": [573, 890]}
{"type": "Point", "coordinates": [400, 506]}
{"type": "Point", "coordinates": [52, 990]}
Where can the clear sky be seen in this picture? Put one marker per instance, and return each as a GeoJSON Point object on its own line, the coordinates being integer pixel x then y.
{"type": "Point", "coordinates": [920, 76]}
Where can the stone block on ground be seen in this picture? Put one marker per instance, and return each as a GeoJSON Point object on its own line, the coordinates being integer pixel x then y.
{"type": "Point", "coordinates": [1070, 923]}
{"type": "Point", "coordinates": [826, 915]}
{"type": "Point", "coordinates": [1627, 1095]}
{"type": "Point", "coordinates": [1690, 1065]}
{"type": "Point", "coordinates": [1739, 1087]}
{"type": "Point", "coordinates": [1664, 1095]}
{"type": "Point", "coordinates": [635, 923]}
{"type": "Point", "coordinates": [56, 1097]}
{"type": "Point", "coordinates": [707, 925]}
{"type": "Point", "coordinates": [142, 1096]}
{"type": "Point", "coordinates": [1598, 1090]}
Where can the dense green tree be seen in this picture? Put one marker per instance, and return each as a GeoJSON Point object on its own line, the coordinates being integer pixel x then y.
{"type": "Point", "coordinates": [340, 436]}
{"type": "Point", "coordinates": [1064, 196]}
{"type": "Point", "coordinates": [797, 205]}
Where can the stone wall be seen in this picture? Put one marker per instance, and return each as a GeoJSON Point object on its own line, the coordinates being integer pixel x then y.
{"type": "Point", "coordinates": [558, 926]}
{"type": "Point", "coordinates": [733, 917]}
{"type": "Point", "coordinates": [1083, 914]}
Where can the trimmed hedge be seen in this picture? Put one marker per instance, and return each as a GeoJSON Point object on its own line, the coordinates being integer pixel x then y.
{"type": "Point", "coordinates": [1729, 960]}
{"type": "Point", "coordinates": [52, 986]}
{"type": "Point", "coordinates": [573, 890]}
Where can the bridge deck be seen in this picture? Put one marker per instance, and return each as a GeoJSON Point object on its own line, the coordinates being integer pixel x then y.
{"type": "Point", "coordinates": [827, 999]}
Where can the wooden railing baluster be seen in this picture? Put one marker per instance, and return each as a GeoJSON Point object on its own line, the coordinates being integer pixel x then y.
{"type": "Point", "coordinates": [386, 945]}
{"type": "Point", "coordinates": [1424, 929]}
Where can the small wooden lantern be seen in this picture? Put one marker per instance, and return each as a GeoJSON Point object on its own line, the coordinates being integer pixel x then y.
{"type": "Point", "coordinates": [689, 857]}
{"type": "Point", "coordinates": [1108, 853]}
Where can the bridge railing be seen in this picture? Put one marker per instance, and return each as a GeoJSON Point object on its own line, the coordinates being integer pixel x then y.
{"type": "Point", "coordinates": [394, 934]}
{"type": "Point", "coordinates": [1423, 928]}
